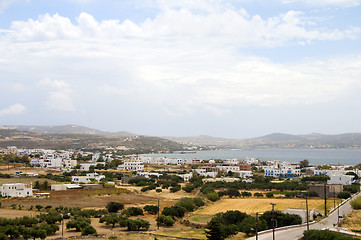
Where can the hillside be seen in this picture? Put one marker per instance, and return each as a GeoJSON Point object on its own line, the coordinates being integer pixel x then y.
{"type": "Point", "coordinates": [278, 140]}
{"type": "Point", "coordinates": [136, 144]}
{"type": "Point", "coordinates": [73, 129]}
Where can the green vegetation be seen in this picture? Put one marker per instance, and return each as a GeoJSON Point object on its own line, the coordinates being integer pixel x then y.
{"type": "Point", "coordinates": [114, 207]}
{"type": "Point", "coordinates": [324, 235]}
{"type": "Point", "coordinates": [356, 203]}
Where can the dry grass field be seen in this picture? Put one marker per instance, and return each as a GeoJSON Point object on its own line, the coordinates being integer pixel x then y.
{"type": "Point", "coordinates": [253, 205]}
{"type": "Point", "coordinates": [26, 180]}
{"type": "Point", "coordinates": [11, 213]}
{"type": "Point", "coordinates": [83, 198]}
{"type": "Point", "coordinates": [352, 221]}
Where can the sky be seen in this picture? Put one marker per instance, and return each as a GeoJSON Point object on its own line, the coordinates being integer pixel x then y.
{"type": "Point", "coordinates": [234, 69]}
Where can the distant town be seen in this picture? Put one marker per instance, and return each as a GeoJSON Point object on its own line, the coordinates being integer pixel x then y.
{"type": "Point", "coordinates": [184, 194]}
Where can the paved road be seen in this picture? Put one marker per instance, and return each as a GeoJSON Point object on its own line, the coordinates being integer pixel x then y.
{"type": "Point", "coordinates": [297, 233]}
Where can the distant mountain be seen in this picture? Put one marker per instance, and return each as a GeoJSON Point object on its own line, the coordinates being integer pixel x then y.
{"type": "Point", "coordinates": [278, 140]}
{"type": "Point", "coordinates": [61, 141]}
{"type": "Point", "coordinates": [75, 129]}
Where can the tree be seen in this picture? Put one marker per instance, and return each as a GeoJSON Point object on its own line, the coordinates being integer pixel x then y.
{"type": "Point", "coordinates": [133, 211]}
{"type": "Point", "coordinates": [114, 207]}
{"type": "Point", "coordinates": [304, 163]}
{"type": "Point", "coordinates": [88, 230]}
{"type": "Point", "coordinates": [110, 219]}
{"type": "Point", "coordinates": [165, 220]}
{"type": "Point", "coordinates": [38, 207]}
{"type": "Point", "coordinates": [152, 209]}
{"type": "Point", "coordinates": [135, 225]}
{"type": "Point", "coordinates": [212, 196]}
{"type": "Point", "coordinates": [215, 230]}
{"type": "Point", "coordinates": [344, 195]}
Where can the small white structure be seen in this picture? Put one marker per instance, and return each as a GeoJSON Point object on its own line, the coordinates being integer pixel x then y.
{"type": "Point", "coordinates": [86, 166]}
{"type": "Point", "coordinates": [63, 187]}
{"type": "Point", "coordinates": [88, 178]}
{"type": "Point", "coordinates": [341, 179]}
{"type": "Point", "coordinates": [16, 190]}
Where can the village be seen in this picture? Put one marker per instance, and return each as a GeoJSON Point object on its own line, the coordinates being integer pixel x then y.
{"type": "Point", "coordinates": [38, 180]}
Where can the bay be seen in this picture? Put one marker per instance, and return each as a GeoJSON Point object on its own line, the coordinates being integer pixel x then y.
{"type": "Point", "coordinates": [314, 156]}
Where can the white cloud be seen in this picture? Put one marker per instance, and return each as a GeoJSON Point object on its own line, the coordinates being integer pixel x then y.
{"type": "Point", "coordinates": [13, 110]}
{"type": "Point", "coordinates": [326, 3]}
{"type": "Point", "coordinates": [182, 66]}
{"type": "Point", "coordinates": [59, 95]}
{"type": "Point", "coordinates": [5, 3]}
{"type": "Point", "coordinates": [18, 87]}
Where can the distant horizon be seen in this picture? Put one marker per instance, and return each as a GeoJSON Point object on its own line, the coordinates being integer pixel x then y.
{"type": "Point", "coordinates": [140, 134]}
{"type": "Point", "coordinates": [236, 69]}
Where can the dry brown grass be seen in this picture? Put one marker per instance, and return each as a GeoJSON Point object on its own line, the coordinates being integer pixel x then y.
{"type": "Point", "coordinates": [253, 205]}
{"type": "Point", "coordinates": [83, 198]}
{"type": "Point", "coordinates": [352, 221]}
{"type": "Point", "coordinates": [11, 213]}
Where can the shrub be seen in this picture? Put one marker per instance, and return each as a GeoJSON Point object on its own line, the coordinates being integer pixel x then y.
{"type": "Point", "coordinates": [133, 211]}
{"type": "Point", "coordinates": [212, 196]}
{"type": "Point", "coordinates": [175, 189]}
{"type": "Point", "coordinates": [158, 190]}
{"type": "Point", "coordinates": [257, 194]}
{"type": "Point", "coordinates": [165, 220]}
{"type": "Point", "coordinates": [344, 195]}
{"type": "Point", "coordinates": [269, 195]}
{"type": "Point", "coordinates": [198, 202]}
{"type": "Point", "coordinates": [114, 207]}
{"type": "Point", "coordinates": [246, 194]}
{"type": "Point", "coordinates": [88, 230]}
{"type": "Point", "coordinates": [137, 224]}
{"type": "Point", "coordinates": [188, 188]}
{"type": "Point", "coordinates": [152, 209]}
{"type": "Point", "coordinates": [324, 235]}
{"type": "Point", "coordinates": [356, 203]}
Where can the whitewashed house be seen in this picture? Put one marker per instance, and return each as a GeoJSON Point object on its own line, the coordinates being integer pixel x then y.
{"type": "Point", "coordinates": [16, 190]}
{"type": "Point", "coordinates": [132, 166]}
{"type": "Point", "coordinates": [86, 166]}
{"type": "Point", "coordinates": [87, 179]}
{"type": "Point", "coordinates": [341, 179]}
{"type": "Point", "coordinates": [282, 169]}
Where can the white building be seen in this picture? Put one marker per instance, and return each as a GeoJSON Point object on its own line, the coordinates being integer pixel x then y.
{"type": "Point", "coordinates": [132, 166]}
{"type": "Point", "coordinates": [282, 169]}
{"type": "Point", "coordinates": [86, 166]}
{"type": "Point", "coordinates": [16, 190]}
{"type": "Point", "coordinates": [88, 178]}
{"type": "Point", "coordinates": [341, 179]}
{"type": "Point", "coordinates": [69, 163]}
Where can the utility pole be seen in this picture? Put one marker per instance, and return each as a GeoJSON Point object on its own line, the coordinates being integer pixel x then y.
{"type": "Point", "coordinates": [325, 193]}
{"type": "Point", "coordinates": [338, 215]}
{"type": "Point", "coordinates": [256, 226]}
{"type": "Point", "coordinates": [158, 215]}
{"type": "Point", "coordinates": [273, 221]}
{"type": "Point", "coordinates": [307, 217]}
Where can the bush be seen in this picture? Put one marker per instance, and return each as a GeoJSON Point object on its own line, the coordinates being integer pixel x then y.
{"type": "Point", "coordinates": [165, 220]}
{"type": "Point", "coordinates": [344, 195]}
{"type": "Point", "coordinates": [137, 224]}
{"type": "Point", "coordinates": [257, 194]}
{"type": "Point", "coordinates": [269, 195]}
{"type": "Point", "coordinates": [356, 203]}
{"type": "Point", "coordinates": [174, 211]}
{"type": "Point", "coordinates": [133, 211]}
{"type": "Point", "coordinates": [152, 209]}
{"type": "Point", "coordinates": [175, 189]}
{"type": "Point", "coordinates": [88, 230]}
{"type": "Point", "coordinates": [212, 196]}
{"type": "Point", "coordinates": [283, 219]}
{"type": "Point", "coordinates": [246, 194]}
{"type": "Point", "coordinates": [324, 235]}
{"type": "Point", "coordinates": [188, 188]}
{"type": "Point", "coordinates": [114, 207]}
{"type": "Point", "coordinates": [158, 190]}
